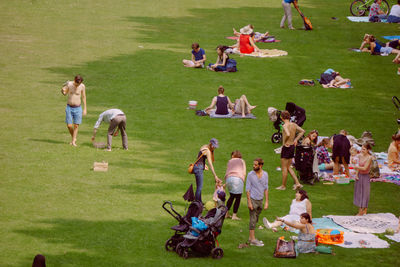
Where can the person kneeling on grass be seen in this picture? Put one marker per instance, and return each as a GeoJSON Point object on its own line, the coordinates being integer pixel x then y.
{"type": "Point", "coordinates": [198, 57]}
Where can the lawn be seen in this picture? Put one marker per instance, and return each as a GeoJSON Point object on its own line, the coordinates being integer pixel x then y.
{"type": "Point", "coordinates": [129, 54]}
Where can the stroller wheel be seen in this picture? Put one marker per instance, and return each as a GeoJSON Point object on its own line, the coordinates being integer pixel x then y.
{"type": "Point", "coordinates": [217, 253]}
{"type": "Point", "coordinates": [185, 253]}
{"type": "Point", "coordinates": [276, 138]}
{"type": "Point", "coordinates": [169, 245]}
{"type": "Point", "coordinates": [179, 249]}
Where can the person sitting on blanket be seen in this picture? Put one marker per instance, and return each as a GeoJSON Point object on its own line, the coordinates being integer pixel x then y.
{"type": "Point", "coordinates": [300, 204]}
{"type": "Point", "coordinates": [376, 48]}
{"type": "Point", "coordinates": [394, 15]}
{"type": "Point", "coordinates": [394, 153]}
{"type": "Point", "coordinates": [246, 41]}
{"type": "Point", "coordinates": [223, 103]}
{"type": "Point", "coordinates": [324, 161]}
{"type": "Point", "coordinates": [375, 10]}
{"type": "Point", "coordinates": [398, 228]}
{"type": "Point", "coordinates": [198, 57]}
{"type": "Point", "coordinates": [220, 64]}
{"type": "Point", "coordinates": [332, 79]}
{"type": "Point", "coordinates": [306, 239]}
{"type": "Point", "coordinates": [225, 106]}
{"type": "Point", "coordinates": [258, 37]}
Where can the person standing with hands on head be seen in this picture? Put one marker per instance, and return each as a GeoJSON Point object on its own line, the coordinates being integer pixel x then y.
{"type": "Point", "coordinates": [256, 188]}
{"type": "Point", "coordinates": [198, 57]}
{"type": "Point", "coordinates": [291, 135]}
{"type": "Point", "coordinates": [73, 111]}
{"type": "Point", "coordinates": [206, 152]}
{"type": "Point", "coordinates": [116, 118]}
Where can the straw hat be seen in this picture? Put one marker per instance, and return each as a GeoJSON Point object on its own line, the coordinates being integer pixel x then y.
{"type": "Point", "coordinates": [246, 30]}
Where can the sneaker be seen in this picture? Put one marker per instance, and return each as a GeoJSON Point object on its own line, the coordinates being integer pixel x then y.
{"type": "Point", "coordinates": [256, 243]}
{"type": "Point", "coordinates": [281, 188]}
{"type": "Point", "coordinates": [267, 224]}
{"type": "Point", "coordinates": [235, 218]}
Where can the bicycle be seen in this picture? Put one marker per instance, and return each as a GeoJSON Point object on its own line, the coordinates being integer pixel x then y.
{"type": "Point", "coordinates": [361, 8]}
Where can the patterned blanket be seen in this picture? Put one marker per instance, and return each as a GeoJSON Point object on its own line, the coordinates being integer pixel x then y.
{"type": "Point", "coordinates": [264, 53]}
{"type": "Point", "coordinates": [371, 223]}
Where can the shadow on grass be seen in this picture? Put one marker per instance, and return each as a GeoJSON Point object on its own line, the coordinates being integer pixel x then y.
{"type": "Point", "coordinates": [50, 141]}
{"type": "Point", "coordinates": [104, 243]}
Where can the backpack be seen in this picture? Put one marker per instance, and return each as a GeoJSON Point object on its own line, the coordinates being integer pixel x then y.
{"type": "Point", "coordinates": [231, 65]}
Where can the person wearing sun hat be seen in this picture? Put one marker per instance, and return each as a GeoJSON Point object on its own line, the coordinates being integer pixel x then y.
{"type": "Point", "coordinates": [206, 152]}
{"type": "Point", "coordinates": [246, 40]}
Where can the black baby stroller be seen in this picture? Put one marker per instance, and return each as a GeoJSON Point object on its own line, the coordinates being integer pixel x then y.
{"type": "Point", "coordinates": [304, 161]}
{"type": "Point", "coordinates": [298, 116]}
{"type": "Point", "coordinates": [194, 210]}
{"type": "Point", "coordinates": [203, 243]}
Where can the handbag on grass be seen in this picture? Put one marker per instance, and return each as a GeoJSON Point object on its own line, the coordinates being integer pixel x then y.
{"type": "Point", "coordinates": [284, 249]}
{"type": "Point", "coordinates": [191, 166]}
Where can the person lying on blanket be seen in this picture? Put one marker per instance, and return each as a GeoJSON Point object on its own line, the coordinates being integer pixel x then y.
{"type": "Point", "coordinates": [376, 48]}
{"type": "Point", "coordinates": [224, 106]}
{"type": "Point", "coordinates": [332, 79]}
{"type": "Point", "coordinates": [394, 153]}
{"type": "Point", "coordinates": [395, 43]}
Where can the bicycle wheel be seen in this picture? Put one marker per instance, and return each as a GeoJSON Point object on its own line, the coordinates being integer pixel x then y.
{"type": "Point", "coordinates": [358, 8]}
{"type": "Point", "coordinates": [385, 7]}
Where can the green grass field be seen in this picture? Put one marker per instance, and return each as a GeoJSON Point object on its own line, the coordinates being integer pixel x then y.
{"type": "Point", "coordinates": [129, 53]}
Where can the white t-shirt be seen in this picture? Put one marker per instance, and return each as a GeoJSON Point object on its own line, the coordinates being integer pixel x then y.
{"type": "Point", "coordinates": [395, 11]}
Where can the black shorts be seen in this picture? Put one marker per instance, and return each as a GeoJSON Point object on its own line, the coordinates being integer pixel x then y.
{"type": "Point", "coordinates": [287, 152]}
{"type": "Point", "coordinates": [394, 44]}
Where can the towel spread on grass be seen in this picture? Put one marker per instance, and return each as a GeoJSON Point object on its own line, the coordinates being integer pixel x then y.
{"type": "Point", "coordinates": [351, 239]}
{"type": "Point", "coordinates": [395, 237]}
{"type": "Point", "coordinates": [356, 240]}
{"type": "Point", "coordinates": [393, 37]}
{"type": "Point", "coordinates": [234, 116]}
{"type": "Point", "coordinates": [327, 223]}
{"type": "Point", "coordinates": [264, 40]}
{"type": "Point", "coordinates": [358, 19]}
{"type": "Point", "coordinates": [375, 223]}
{"type": "Point", "coordinates": [263, 53]}
{"type": "Point", "coordinates": [362, 19]}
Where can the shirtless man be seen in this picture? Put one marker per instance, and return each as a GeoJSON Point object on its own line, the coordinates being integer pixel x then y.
{"type": "Point", "coordinates": [289, 143]}
{"type": "Point", "coordinates": [73, 111]}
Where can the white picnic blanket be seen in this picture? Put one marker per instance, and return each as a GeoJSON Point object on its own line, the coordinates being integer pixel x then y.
{"type": "Point", "coordinates": [395, 237]}
{"type": "Point", "coordinates": [263, 53]}
{"type": "Point", "coordinates": [356, 240]}
{"type": "Point", "coordinates": [371, 223]}
{"type": "Point", "coordinates": [358, 19]}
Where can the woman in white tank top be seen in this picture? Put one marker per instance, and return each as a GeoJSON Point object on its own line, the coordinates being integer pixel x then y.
{"type": "Point", "coordinates": [301, 204]}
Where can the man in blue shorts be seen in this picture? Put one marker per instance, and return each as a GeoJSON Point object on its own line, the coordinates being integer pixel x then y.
{"type": "Point", "coordinates": [73, 111]}
{"type": "Point", "coordinates": [198, 57]}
